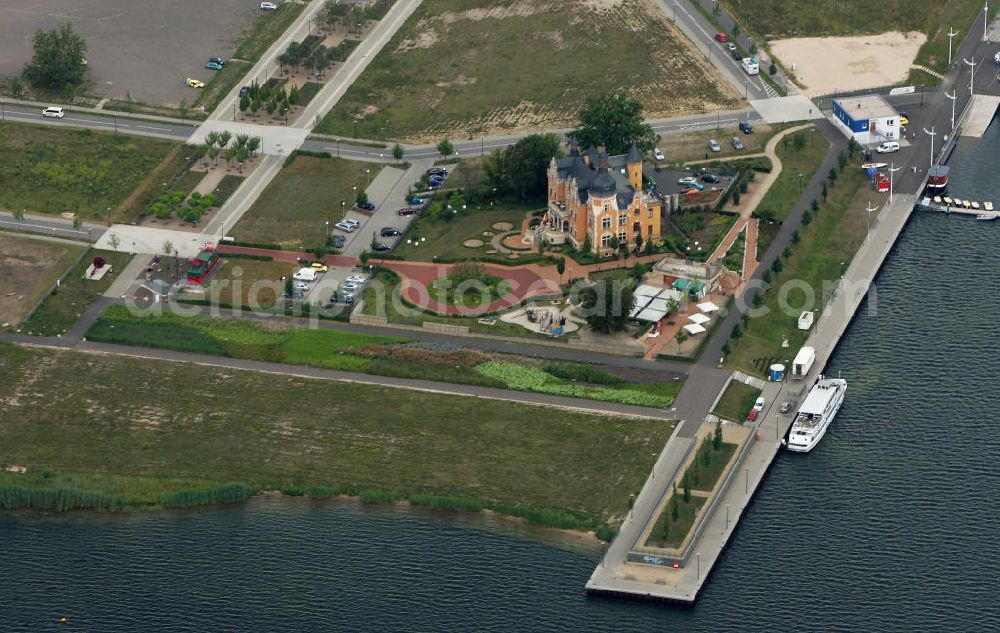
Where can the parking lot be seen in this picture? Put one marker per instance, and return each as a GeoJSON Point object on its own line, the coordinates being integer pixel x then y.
{"type": "Point", "coordinates": [142, 48]}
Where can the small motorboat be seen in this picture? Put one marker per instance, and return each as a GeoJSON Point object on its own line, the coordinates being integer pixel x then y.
{"type": "Point", "coordinates": [967, 204]}
{"type": "Point", "coordinates": [948, 201]}
{"type": "Point", "coordinates": [988, 205]}
{"type": "Point", "coordinates": [937, 199]}
{"type": "Point", "coordinates": [975, 205]}
{"type": "Point", "coordinates": [988, 216]}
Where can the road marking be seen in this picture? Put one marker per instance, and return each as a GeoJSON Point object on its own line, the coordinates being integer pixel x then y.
{"type": "Point", "coordinates": [149, 127]}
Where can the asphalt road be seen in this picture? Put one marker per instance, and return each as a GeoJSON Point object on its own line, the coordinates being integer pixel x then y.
{"type": "Point", "coordinates": [109, 122]}
{"type": "Point", "coordinates": [53, 226]}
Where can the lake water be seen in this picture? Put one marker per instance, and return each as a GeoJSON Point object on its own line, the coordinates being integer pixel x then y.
{"type": "Point", "coordinates": [889, 525]}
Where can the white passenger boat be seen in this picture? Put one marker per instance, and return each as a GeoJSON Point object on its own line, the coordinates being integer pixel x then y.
{"type": "Point", "coordinates": [816, 414]}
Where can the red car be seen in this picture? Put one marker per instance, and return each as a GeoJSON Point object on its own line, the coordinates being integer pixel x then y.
{"type": "Point", "coordinates": [753, 416]}
{"type": "Point", "coordinates": [407, 211]}
{"type": "Point", "coordinates": [721, 37]}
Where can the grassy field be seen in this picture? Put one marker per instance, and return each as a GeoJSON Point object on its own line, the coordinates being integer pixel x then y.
{"type": "Point", "coordinates": [801, 155]}
{"type": "Point", "coordinates": [460, 68]}
{"type": "Point", "coordinates": [736, 401]}
{"type": "Point", "coordinates": [222, 82]}
{"type": "Point", "coordinates": [123, 432]}
{"type": "Point", "coordinates": [247, 282]}
{"type": "Point", "coordinates": [28, 267]}
{"type": "Point", "coordinates": [306, 194]}
{"type": "Point", "coordinates": [345, 350]}
{"type": "Point", "coordinates": [676, 529]}
{"type": "Point", "coordinates": [827, 244]}
{"type": "Point", "coordinates": [443, 237]}
{"type": "Point", "coordinates": [802, 18]}
{"type": "Point", "coordinates": [62, 308]}
{"type": "Point", "coordinates": [171, 170]}
{"type": "Point", "coordinates": [693, 146]}
{"type": "Point", "coordinates": [60, 170]}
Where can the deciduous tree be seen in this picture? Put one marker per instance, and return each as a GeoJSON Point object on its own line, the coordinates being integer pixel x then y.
{"type": "Point", "coordinates": [521, 170]}
{"type": "Point", "coordinates": [615, 122]}
{"type": "Point", "coordinates": [59, 58]}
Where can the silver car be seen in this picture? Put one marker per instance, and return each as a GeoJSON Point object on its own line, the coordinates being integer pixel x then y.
{"type": "Point", "coordinates": [714, 145]}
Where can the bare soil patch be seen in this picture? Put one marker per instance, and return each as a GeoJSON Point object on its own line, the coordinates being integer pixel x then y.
{"type": "Point", "coordinates": [28, 268]}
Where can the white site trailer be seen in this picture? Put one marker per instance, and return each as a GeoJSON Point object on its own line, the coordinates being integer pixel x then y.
{"type": "Point", "coordinates": [803, 362]}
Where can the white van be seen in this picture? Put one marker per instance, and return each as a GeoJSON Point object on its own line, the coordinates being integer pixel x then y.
{"type": "Point", "coordinates": [53, 111]}
{"type": "Point", "coordinates": [305, 274]}
{"type": "Point", "coordinates": [888, 147]}
{"type": "Point", "coordinates": [750, 65]}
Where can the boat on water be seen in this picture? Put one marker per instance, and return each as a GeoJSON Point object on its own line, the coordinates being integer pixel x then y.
{"type": "Point", "coordinates": [975, 205]}
{"type": "Point", "coordinates": [988, 205]}
{"type": "Point", "coordinates": [937, 179]}
{"type": "Point", "coordinates": [816, 414]}
{"type": "Point", "coordinates": [988, 216]}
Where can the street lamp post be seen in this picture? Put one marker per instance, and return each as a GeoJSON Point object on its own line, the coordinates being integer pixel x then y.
{"type": "Point", "coordinates": [869, 209]}
{"type": "Point", "coordinates": [950, 36]}
{"type": "Point", "coordinates": [972, 76]}
{"type": "Point", "coordinates": [953, 96]}
{"type": "Point", "coordinates": [892, 170]}
{"type": "Point", "coordinates": [986, 15]}
{"type": "Point", "coordinates": [931, 133]}
{"type": "Point", "coordinates": [355, 128]}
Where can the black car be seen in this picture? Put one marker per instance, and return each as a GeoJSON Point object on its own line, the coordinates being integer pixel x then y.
{"type": "Point", "coordinates": [367, 206]}
{"type": "Point", "coordinates": [712, 178]}
{"type": "Point", "coordinates": [437, 171]}
{"type": "Point", "coordinates": [736, 55]}
{"type": "Point", "coordinates": [745, 127]}
{"type": "Point", "coordinates": [381, 248]}
{"type": "Point", "coordinates": [389, 231]}
{"type": "Point", "coordinates": [217, 60]}
{"type": "Point", "coordinates": [244, 91]}
{"type": "Point", "coordinates": [337, 241]}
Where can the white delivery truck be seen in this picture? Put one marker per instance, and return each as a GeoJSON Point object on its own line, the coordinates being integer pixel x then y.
{"type": "Point", "coordinates": [750, 65]}
{"type": "Point", "coordinates": [803, 362]}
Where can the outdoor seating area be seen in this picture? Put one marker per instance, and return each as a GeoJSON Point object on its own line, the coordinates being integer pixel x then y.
{"type": "Point", "coordinates": [553, 320]}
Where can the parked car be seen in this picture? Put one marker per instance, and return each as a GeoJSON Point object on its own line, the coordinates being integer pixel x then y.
{"type": "Point", "coordinates": [217, 60]}
{"type": "Point", "coordinates": [736, 54]}
{"type": "Point", "coordinates": [194, 83]}
{"type": "Point", "coordinates": [405, 211]}
{"type": "Point", "coordinates": [367, 206]}
{"type": "Point", "coordinates": [736, 143]}
{"type": "Point", "coordinates": [344, 226]}
{"type": "Point", "coordinates": [352, 222]}
{"type": "Point", "coordinates": [381, 247]}
{"type": "Point", "coordinates": [710, 178]}
{"type": "Point", "coordinates": [437, 171]}
{"type": "Point", "coordinates": [658, 154]}
{"type": "Point", "coordinates": [687, 180]}
{"type": "Point", "coordinates": [786, 407]}
{"type": "Point", "coordinates": [347, 297]}
{"type": "Point", "coordinates": [389, 231]}
{"type": "Point", "coordinates": [358, 278]}
{"type": "Point", "coordinates": [268, 6]}
{"type": "Point", "coordinates": [434, 183]}
{"type": "Point", "coordinates": [745, 127]}
{"type": "Point", "coordinates": [714, 145]}
{"type": "Point", "coordinates": [721, 37]}
{"type": "Point", "coordinates": [244, 91]}
{"type": "Point", "coordinates": [415, 201]}
{"type": "Point", "coordinates": [904, 120]}
{"type": "Point", "coordinates": [753, 415]}
{"type": "Point", "coordinates": [349, 286]}
{"type": "Point", "coordinates": [888, 147]}
{"type": "Point", "coordinates": [300, 285]}
{"type": "Point", "coordinates": [337, 241]}
{"type": "Point", "coordinates": [54, 111]}
{"type": "Point", "coordinates": [213, 66]}
{"type": "Point", "coordinates": [730, 47]}
{"type": "Point", "coordinates": [759, 404]}
{"type": "Point", "coordinates": [319, 267]}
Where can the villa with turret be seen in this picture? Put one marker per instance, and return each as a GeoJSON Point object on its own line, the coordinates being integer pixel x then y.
{"type": "Point", "coordinates": [596, 201]}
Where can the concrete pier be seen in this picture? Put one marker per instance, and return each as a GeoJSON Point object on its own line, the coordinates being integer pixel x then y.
{"type": "Point", "coordinates": [981, 112]}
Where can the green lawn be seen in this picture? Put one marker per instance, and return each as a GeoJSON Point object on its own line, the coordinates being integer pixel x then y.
{"type": "Point", "coordinates": [350, 351]}
{"type": "Point", "coordinates": [64, 170]}
{"type": "Point", "coordinates": [140, 432]}
{"type": "Point", "coordinates": [430, 238]}
{"type": "Point", "coordinates": [458, 69]}
{"type": "Point", "coordinates": [827, 243]}
{"type": "Point", "coordinates": [62, 308]}
{"type": "Point", "coordinates": [676, 529]}
{"type": "Point", "coordinates": [804, 18]}
{"type": "Point", "coordinates": [28, 268]}
{"type": "Point", "coordinates": [801, 155]}
{"type": "Point", "coordinates": [293, 210]}
{"type": "Point", "coordinates": [248, 282]}
{"type": "Point", "coordinates": [736, 401]}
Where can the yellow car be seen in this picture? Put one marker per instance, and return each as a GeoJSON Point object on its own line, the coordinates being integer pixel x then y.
{"type": "Point", "coordinates": [904, 121]}
{"type": "Point", "coordinates": [194, 83]}
{"type": "Point", "coordinates": [319, 267]}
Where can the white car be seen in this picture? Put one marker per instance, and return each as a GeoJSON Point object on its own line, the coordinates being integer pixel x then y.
{"type": "Point", "coordinates": [357, 278]}
{"type": "Point", "coordinates": [352, 222]}
{"type": "Point", "coordinates": [658, 154]}
{"type": "Point", "coordinates": [687, 180]}
{"type": "Point", "coordinates": [53, 111]}
{"type": "Point", "coordinates": [759, 405]}
{"type": "Point", "coordinates": [268, 6]}
{"type": "Point", "coordinates": [888, 147]}
{"type": "Point", "coordinates": [300, 285]}
{"type": "Point", "coordinates": [345, 227]}
{"type": "Point", "coordinates": [714, 145]}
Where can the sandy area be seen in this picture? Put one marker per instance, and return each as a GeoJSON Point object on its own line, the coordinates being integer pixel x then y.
{"type": "Point", "coordinates": [835, 64]}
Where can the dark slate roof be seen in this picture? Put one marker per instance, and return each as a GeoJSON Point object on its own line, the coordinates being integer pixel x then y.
{"type": "Point", "coordinates": [612, 179]}
{"type": "Point", "coordinates": [634, 155]}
